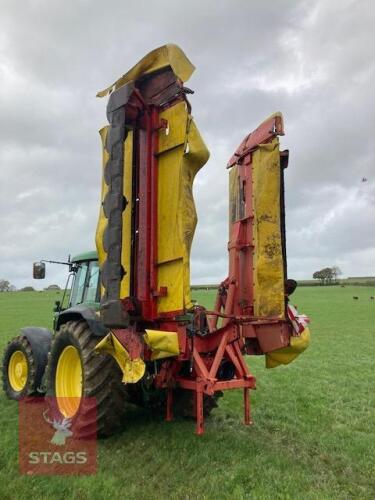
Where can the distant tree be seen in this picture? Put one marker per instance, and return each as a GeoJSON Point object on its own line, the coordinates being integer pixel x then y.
{"type": "Point", "coordinates": [53, 287]}
{"type": "Point", "coordinates": [4, 285]}
{"type": "Point", "coordinates": [318, 276]}
{"type": "Point", "coordinates": [336, 272]}
{"type": "Point", "coordinates": [327, 275]}
{"type": "Point", "coordinates": [324, 275]}
{"type": "Point", "coordinates": [27, 289]}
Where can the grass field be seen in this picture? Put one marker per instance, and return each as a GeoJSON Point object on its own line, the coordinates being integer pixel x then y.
{"type": "Point", "coordinates": [313, 436]}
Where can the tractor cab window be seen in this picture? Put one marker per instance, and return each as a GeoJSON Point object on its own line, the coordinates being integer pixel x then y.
{"type": "Point", "coordinates": [91, 293]}
{"type": "Point", "coordinates": [79, 284]}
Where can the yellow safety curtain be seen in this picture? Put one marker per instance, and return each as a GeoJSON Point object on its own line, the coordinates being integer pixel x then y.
{"type": "Point", "coordinates": [286, 355]}
{"type": "Point", "coordinates": [182, 153]}
{"type": "Point", "coordinates": [162, 344]}
{"type": "Point", "coordinates": [268, 258]}
{"type": "Point", "coordinates": [132, 369]}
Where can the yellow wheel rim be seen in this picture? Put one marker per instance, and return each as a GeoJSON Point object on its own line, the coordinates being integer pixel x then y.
{"type": "Point", "coordinates": [68, 381]}
{"type": "Point", "coordinates": [17, 371]}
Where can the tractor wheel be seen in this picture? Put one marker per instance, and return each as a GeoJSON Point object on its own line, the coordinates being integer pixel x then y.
{"type": "Point", "coordinates": [19, 369]}
{"type": "Point", "coordinates": [75, 371]}
{"type": "Point", "coordinates": [183, 400]}
{"type": "Point", "coordinates": [184, 403]}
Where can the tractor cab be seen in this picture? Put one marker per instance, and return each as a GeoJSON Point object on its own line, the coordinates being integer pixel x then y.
{"type": "Point", "coordinates": [82, 290]}
{"type": "Point", "coordinates": [84, 281]}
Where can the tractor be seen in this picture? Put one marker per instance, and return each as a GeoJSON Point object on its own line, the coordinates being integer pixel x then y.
{"type": "Point", "coordinates": [129, 331]}
{"type": "Point", "coordinates": [33, 362]}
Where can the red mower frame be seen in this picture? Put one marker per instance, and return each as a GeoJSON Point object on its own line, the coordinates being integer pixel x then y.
{"type": "Point", "coordinates": [213, 344]}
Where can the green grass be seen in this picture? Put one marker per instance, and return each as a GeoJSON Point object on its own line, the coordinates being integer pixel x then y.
{"type": "Point", "coordinates": [313, 436]}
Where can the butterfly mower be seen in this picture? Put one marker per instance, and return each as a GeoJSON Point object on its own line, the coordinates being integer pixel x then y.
{"type": "Point", "coordinates": [127, 330]}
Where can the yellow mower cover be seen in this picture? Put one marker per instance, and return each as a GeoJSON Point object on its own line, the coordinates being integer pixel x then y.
{"type": "Point", "coordinates": [181, 154]}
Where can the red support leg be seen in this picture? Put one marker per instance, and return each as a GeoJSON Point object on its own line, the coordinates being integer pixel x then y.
{"type": "Point", "coordinates": [200, 415]}
{"type": "Point", "coordinates": [169, 415]}
{"type": "Point", "coordinates": [246, 401]}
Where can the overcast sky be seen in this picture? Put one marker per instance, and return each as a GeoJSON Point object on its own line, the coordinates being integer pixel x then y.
{"type": "Point", "coordinates": [312, 60]}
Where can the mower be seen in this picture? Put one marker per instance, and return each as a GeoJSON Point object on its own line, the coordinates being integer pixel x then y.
{"type": "Point", "coordinates": [127, 330]}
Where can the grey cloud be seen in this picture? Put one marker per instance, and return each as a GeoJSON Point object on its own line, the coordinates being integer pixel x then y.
{"type": "Point", "coordinates": [310, 59]}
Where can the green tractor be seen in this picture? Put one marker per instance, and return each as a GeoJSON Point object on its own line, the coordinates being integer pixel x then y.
{"type": "Point", "coordinates": [63, 363]}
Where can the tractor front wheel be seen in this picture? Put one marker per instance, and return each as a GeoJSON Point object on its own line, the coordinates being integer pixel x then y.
{"type": "Point", "coordinates": [75, 371]}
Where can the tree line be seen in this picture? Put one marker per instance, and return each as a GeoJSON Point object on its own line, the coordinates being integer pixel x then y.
{"type": "Point", "coordinates": [327, 275]}
{"type": "Point", "coordinates": [6, 286]}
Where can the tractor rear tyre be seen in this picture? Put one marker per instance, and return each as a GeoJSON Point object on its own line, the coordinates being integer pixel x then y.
{"type": "Point", "coordinates": [75, 371]}
{"type": "Point", "coordinates": [184, 403]}
{"type": "Point", "coordinates": [183, 400]}
{"type": "Point", "coordinates": [19, 369]}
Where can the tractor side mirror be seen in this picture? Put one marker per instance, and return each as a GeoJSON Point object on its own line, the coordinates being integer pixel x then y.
{"type": "Point", "coordinates": [39, 270]}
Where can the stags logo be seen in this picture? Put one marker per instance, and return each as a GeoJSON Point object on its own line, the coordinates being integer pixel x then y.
{"type": "Point", "coordinates": [61, 428]}
{"type": "Point", "coordinates": [50, 443]}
